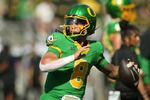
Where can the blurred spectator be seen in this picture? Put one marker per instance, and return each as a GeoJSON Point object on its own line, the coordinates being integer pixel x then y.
{"type": "Point", "coordinates": [44, 14]}
{"type": "Point", "coordinates": [118, 10]}
{"type": "Point", "coordinates": [145, 48]}
{"type": "Point", "coordinates": [111, 37]}
{"type": "Point", "coordinates": [34, 83]}
{"type": "Point", "coordinates": [145, 51]}
{"type": "Point", "coordinates": [143, 14]}
{"type": "Point", "coordinates": [43, 23]}
{"type": "Point", "coordinates": [130, 39]}
{"type": "Point", "coordinates": [7, 73]}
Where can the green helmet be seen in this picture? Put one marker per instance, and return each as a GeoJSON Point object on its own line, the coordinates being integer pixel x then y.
{"type": "Point", "coordinates": [80, 14]}
{"type": "Point", "coordinates": [123, 9]}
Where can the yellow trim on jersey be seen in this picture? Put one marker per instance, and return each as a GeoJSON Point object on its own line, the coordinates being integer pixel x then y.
{"type": "Point", "coordinates": [58, 49]}
{"type": "Point", "coordinates": [79, 46]}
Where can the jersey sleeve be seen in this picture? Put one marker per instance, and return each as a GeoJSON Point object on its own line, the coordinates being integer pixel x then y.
{"type": "Point", "coordinates": [52, 42]}
{"type": "Point", "coordinates": [101, 62]}
{"type": "Point", "coordinates": [55, 51]}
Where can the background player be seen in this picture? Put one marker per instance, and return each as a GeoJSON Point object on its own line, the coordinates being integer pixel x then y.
{"type": "Point", "coordinates": [123, 12]}
{"type": "Point", "coordinates": [118, 10]}
{"type": "Point", "coordinates": [130, 39]}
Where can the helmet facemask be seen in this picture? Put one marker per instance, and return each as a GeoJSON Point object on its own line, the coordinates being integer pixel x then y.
{"type": "Point", "coordinates": [75, 26]}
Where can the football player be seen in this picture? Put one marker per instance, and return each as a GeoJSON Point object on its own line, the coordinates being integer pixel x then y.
{"type": "Point", "coordinates": [70, 56]}
{"type": "Point", "coordinates": [119, 10]}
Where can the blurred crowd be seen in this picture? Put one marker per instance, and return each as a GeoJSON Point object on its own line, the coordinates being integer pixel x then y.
{"type": "Point", "coordinates": [24, 26]}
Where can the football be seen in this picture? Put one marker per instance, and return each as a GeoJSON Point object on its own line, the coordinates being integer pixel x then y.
{"type": "Point", "coordinates": [128, 74]}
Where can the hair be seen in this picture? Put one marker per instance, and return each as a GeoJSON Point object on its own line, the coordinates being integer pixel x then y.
{"type": "Point", "coordinates": [127, 30]}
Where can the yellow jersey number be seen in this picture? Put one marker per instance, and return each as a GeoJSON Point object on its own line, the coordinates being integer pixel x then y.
{"type": "Point", "coordinates": [79, 73]}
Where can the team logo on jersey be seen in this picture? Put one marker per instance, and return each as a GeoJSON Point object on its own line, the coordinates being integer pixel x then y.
{"type": "Point", "coordinates": [50, 39]}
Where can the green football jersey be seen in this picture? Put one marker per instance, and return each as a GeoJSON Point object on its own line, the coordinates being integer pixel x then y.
{"type": "Point", "coordinates": [71, 79]}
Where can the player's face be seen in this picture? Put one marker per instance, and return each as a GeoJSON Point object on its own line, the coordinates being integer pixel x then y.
{"type": "Point", "coordinates": [75, 26]}
{"type": "Point", "coordinates": [134, 39]}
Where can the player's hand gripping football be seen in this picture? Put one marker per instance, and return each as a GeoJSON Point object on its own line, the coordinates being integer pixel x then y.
{"type": "Point", "coordinates": [77, 55]}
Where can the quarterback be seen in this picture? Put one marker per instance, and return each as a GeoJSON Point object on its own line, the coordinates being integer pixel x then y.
{"type": "Point", "coordinates": [70, 56]}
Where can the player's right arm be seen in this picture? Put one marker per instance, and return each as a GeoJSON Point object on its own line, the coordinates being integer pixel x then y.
{"type": "Point", "coordinates": [103, 65]}
{"type": "Point", "coordinates": [107, 68]}
{"type": "Point", "coordinates": [51, 62]}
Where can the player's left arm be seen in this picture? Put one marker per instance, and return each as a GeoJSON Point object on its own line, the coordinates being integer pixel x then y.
{"type": "Point", "coordinates": [108, 69]}
{"type": "Point", "coordinates": [103, 65]}
{"type": "Point", "coordinates": [111, 71]}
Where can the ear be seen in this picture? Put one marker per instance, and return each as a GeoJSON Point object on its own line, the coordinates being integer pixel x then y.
{"type": "Point", "coordinates": [126, 40]}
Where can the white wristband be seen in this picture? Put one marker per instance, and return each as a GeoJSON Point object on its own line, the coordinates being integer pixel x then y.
{"type": "Point", "coordinates": [54, 65]}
